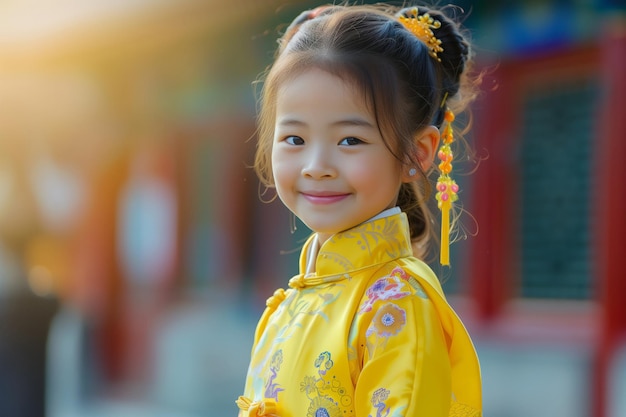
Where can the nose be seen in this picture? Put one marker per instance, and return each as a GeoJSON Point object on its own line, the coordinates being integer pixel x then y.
{"type": "Point", "coordinates": [319, 164]}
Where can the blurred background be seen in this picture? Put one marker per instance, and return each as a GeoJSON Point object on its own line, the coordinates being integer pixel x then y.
{"type": "Point", "coordinates": [136, 252]}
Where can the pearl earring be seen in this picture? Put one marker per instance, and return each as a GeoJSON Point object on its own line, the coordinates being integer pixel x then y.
{"type": "Point", "coordinates": [412, 172]}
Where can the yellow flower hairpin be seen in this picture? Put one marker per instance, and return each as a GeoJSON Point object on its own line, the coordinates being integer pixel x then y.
{"type": "Point", "coordinates": [422, 27]}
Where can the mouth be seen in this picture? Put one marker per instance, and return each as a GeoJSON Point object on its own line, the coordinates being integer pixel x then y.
{"type": "Point", "coordinates": [324, 197]}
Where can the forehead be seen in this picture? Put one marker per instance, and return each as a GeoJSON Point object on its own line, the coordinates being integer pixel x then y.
{"type": "Point", "coordinates": [320, 90]}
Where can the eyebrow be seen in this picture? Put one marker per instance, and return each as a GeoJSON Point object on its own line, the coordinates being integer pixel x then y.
{"type": "Point", "coordinates": [351, 121]}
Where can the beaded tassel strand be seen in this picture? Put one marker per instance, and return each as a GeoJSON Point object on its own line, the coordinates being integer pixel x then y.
{"type": "Point", "coordinates": [447, 188]}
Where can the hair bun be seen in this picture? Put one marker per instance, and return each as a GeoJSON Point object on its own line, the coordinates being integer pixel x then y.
{"type": "Point", "coordinates": [456, 49]}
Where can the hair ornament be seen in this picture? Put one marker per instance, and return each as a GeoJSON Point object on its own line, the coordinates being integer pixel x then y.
{"type": "Point", "coordinates": [447, 188]}
{"type": "Point", "coordinates": [422, 27]}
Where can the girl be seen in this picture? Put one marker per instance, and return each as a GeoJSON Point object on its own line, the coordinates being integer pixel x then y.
{"type": "Point", "coordinates": [349, 127]}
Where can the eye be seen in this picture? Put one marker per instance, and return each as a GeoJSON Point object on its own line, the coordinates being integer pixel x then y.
{"type": "Point", "coordinates": [351, 141]}
{"type": "Point", "coordinates": [294, 140]}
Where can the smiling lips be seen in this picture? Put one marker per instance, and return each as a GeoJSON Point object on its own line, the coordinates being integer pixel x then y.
{"type": "Point", "coordinates": [324, 197]}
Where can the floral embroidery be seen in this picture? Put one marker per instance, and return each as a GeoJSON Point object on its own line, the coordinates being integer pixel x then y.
{"type": "Point", "coordinates": [323, 407]}
{"type": "Point", "coordinates": [308, 385]}
{"type": "Point", "coordinates": [364, 242]}
{"type": "Point", "coordinates": [378, 401]}
{"type": "Point", "coordinates": [323, 359]}
{"type": "Point", "coordinates": [299, 307]}
{"type": "Point", "coordinates": [399, 272]}
{"type": "Point", "coordinates": [328, 397]}
{"type": "Point", "coordinates": [271, 388]}
{"type": "Point", "coordinates": [390, 287]}
{"type": "Point", "coordinates": [388, 321]}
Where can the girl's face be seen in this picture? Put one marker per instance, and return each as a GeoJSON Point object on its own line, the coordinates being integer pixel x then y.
{"type": "Point", "coordinates": [330, 164]}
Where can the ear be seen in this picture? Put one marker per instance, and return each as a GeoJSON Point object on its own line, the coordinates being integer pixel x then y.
{"type": "Point", "coordinates": [427, 141]}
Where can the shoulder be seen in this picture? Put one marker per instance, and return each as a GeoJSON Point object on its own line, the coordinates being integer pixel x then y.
{"type": "Point", "coordinates": [399, 291]}
{"type": "Point", "coordinates": [395, 310]}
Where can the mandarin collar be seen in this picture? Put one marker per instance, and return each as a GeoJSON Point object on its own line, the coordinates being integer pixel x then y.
{"type": "Point", "coordinates": [377, 241]}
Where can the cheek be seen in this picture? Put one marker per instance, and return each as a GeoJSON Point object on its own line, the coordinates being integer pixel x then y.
{"type": "Point", "coordinates": [361, 173]}
{"type": "Point", "coordinates": [284, 182]}
{"type": "Point", "coordinates": [375, 171]}
{"type": "Point", "coordinates": [283, 170]}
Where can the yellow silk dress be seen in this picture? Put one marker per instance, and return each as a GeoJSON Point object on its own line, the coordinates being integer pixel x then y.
{"type": "Point", "coordinates": [368, 334]}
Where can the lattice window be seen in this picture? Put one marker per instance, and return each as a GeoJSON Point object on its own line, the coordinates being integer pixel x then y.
{"type": "Point", "coordinates": [556, 177]}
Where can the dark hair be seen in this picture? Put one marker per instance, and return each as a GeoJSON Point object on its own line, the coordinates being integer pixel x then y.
{"type": "Point", "coordinates": [402, 84]}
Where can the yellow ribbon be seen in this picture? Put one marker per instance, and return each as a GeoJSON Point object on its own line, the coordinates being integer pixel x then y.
{"type": "Point", "coordinates": [256, 408]}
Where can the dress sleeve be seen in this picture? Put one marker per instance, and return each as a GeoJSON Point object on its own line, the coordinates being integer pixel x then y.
{"type": "Point", "coordinates": [405, 369]}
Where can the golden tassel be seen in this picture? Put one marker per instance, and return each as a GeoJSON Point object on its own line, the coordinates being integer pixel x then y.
{"type": "Point", "coordinates": [446, 187]}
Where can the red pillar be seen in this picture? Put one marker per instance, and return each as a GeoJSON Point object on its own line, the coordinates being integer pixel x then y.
{"type": "Point", "coordinates": [492, 200]}
{"type": "Point", "coordinates": [610, 209]}
{"type": "Point", "coordinates": [98, 284]}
